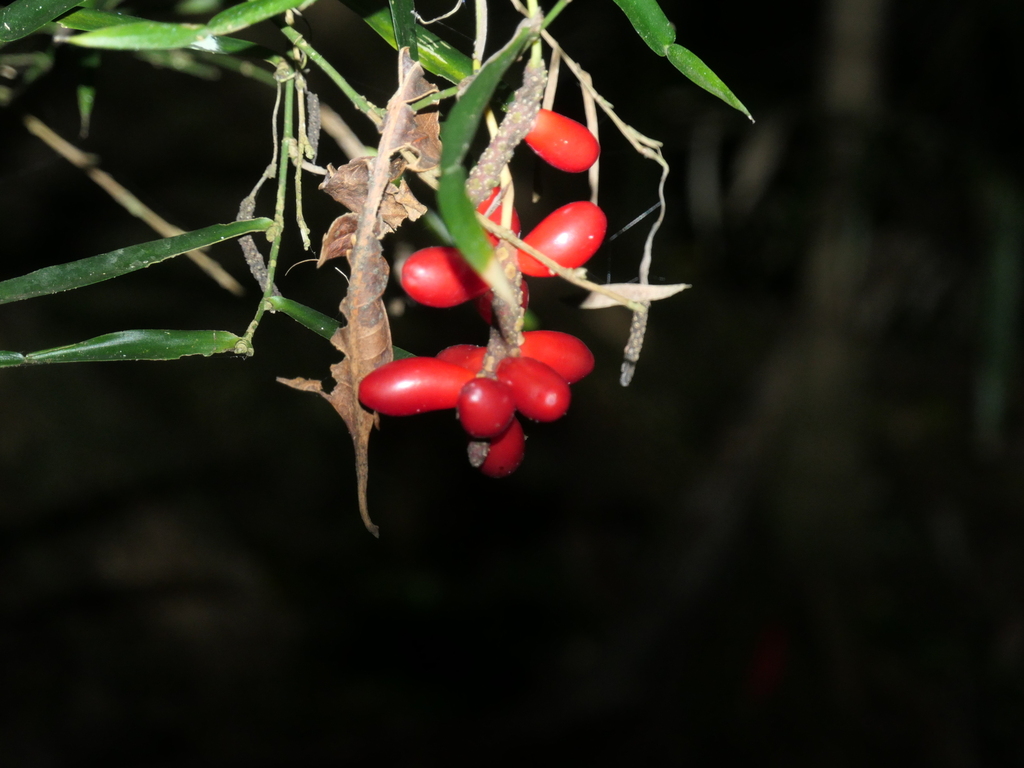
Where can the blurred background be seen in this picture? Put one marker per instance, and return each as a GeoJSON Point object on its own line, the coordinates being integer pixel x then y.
{"type": "Point", "coordinates": [795, 539]}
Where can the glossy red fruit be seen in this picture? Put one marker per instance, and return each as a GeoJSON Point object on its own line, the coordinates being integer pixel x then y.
{"type": "Point", "coordinates": [439, 277]}
{"type": "Point", "coordinates": [562, 142]}
{"type": "Point", "coordinates": [506, 452]}
{"type": "Point", "coordinates": [485, 407]}
{"type": "Point", "coordinates": [569, 236]}
{"type": "Point", "coordinates": [566, 354]}
{"type": "Point", "coordinates": [413, 385]}
{"type": "Point", "coordinates": [496, 215]}
{"type": "Point", "coordinates": [539, 392]}
{"type": "Point", "coordinates": [483, 303]}
{"type": "Point", "coordinates": [469, 356]}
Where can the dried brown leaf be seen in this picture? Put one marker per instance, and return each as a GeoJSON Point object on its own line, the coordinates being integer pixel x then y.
{"type": "Point", "coordinates": [633, 291]}
{"type": "Point", "coordinates": [339, 239]}
{"type": "Point", "coordinates": [378, 205]}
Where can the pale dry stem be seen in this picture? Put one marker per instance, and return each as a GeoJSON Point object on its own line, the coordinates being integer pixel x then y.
{"type": "Point", "coordinates": [570, 275]}
{"type": "Point", "coordinates": [127, 200]}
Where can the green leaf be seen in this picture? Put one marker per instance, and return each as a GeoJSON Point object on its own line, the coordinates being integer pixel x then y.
{"type": "Point", "coordinates": [659, 33]}
{"type": "Point", "coordinates": [403, 20]}
{"type": "Point", "coordinates": [88, 19]}
{"type": "Point", "coordinates": [8, 359]}
{"type": "Point", "coordinates": [457, 134]}
{"type": "Point", "coordinates": [86, 91]}
{"type": "Point", "coordinates": [95, 269]}
{"type": "Point", "coordinates": [23, 17]}
{"type": "Point", "coordinates": [142, 35]}
{"type": "Point", "coordinates": [197, 7]}
{"type": "Point", "coordinates": [316, 321]}
{"type": "Point", "coordinates": [137, 345]}
{"type": "Point", "coordinates": [436, 55]}
{"type": "Point", "coordinates": [460, 217]}
{"type": "Point", "coordinates": [246, 14]}
{"type": "Point", "coordinates": [695, 69]}
{"type": "Point", "coordinates": [650, 22]}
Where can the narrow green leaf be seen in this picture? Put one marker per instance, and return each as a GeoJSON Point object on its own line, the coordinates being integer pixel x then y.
{"type": "Point", "coordinates": [246, 14]}
{"type": "Point", "coordinates": [460, 217]}
{"type": "Point", "coordinates": [160, 36]}
{"type": "Point", "coordinates": [659, 33]}
{"type": "Point", "coordinates": [695, 69]}
{"type": "Point", "coordinates": [86, 91]}
{"type": "Point", "coordinates": [88, 19]}
{"type": "Point", "coordinates": [198, 7]}
{"type": "Point", "coordinates": [8, 359]}
{"type": "Point", "coordinates": [650, 22]}
{"type": "Point", "coordinates": [95, 269]}
{"type": "Point", "coordinates": [139, 345]}
{"type": "Point", "coordinates": [142, 35]}
{"type": "Point", "coordinates": [403, 19]}
{"type": "Point", "coordinates": [463, 121]}
{"type": "Point", "coordinates": [23, 17]}
{"type": "Point", "coordinates": [436, 55]}
{"type": "Point", "coordinates": [187, 63]}
{"type": "Point", "coordinates": [316, 321]}
{"type": "Point", "coordinates": [457, 133]}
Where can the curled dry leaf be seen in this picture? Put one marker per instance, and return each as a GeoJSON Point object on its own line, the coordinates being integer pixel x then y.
{"type": "Point", "coordinates": [349, 184]}
{"type": "Point", "coordinates": [633, 291]}
{"type": "Point", "coordinates": [340, 238]}
{"type": "Point", "coordinates": [378, 206]}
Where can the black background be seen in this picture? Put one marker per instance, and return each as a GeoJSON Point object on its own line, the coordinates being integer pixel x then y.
{"type": "Point", "coordinates": [795, 539]}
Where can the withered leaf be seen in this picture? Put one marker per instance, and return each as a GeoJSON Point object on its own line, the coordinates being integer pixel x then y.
{"type": "Point", "coordinates": [378, 206]}
{"type": "Point", "coordinates": [349, 184]}
{"type": "Point", "coordinates": [339, 239]}
{"type": "Point", "coordinates": [632, 291]}
{"type": "Point", "coordinates": [424, 141]}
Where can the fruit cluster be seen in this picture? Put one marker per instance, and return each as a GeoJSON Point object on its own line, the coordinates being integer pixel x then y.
{"type": "Point", "coordinates": [487, 385]}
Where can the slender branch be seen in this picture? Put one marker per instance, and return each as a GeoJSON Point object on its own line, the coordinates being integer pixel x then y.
{"type": "Point", "coordinates": [375, 113]}
{"type": "Point", "coordinates": [287, 138]}
{"type": "Point", "coordinates": [127, 200]}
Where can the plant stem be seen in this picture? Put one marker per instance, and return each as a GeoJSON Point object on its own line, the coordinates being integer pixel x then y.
{"type": "Point", "coordinates": [128, 201]}
{"type": "Point", "coordinates": [571, 275]}
{"type": "Point", "coordinates": [375, 113]}
{"type": "Point", "coordinates": [287, 138]}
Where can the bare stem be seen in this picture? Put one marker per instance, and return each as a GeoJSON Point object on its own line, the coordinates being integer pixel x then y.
{"type": "Point", "coordinates": [127, 200]}
{"type": "Point", "coordinates": [287, 140]}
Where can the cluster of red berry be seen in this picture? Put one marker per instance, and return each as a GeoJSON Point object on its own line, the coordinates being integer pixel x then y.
{"type": "Point", "coordinates": [536, 381]}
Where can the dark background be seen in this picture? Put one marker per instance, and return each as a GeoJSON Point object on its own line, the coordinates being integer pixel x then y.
{"type": "Point", "coordinates": [796, 539]}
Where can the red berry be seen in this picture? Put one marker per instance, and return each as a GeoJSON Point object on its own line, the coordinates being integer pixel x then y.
{"type": "Point", "coordinates": [566, 354]}
{"type": "Point", "coordinates": [506, 452]}
{"type": "Point", "coordinates": [496, 215]}
{"type": "Point", "coordinates": [483, 303]}
{"type": "Point", "coordinates": [569, 236]}
{"type": "Point", "coordinates": [562, 142]}
{"type": "Point", "coordinates": [469, 356]}
{"type": "Point", "coordinates": [413, 385]}
{"type": "Point", "coordinates": [485, 407]}
{"type": "Point", "coordinates": [539, 392]}
{"type": "Point", "coordinates": [440, 277]}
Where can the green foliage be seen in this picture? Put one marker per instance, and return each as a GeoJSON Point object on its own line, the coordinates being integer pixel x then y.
{"type": "Point", "coordinates": [23, 17]}
{"type": "Point", "coordinates": [395, 22]}
{"type": "Point", "coordinates": [133, 345]}
{"type": "Point", "coordinates": [96, 269]}
{"type": "Point", "coordinates": [659, 33]}
{"type": "Point", "coordinates": [457, 133]}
